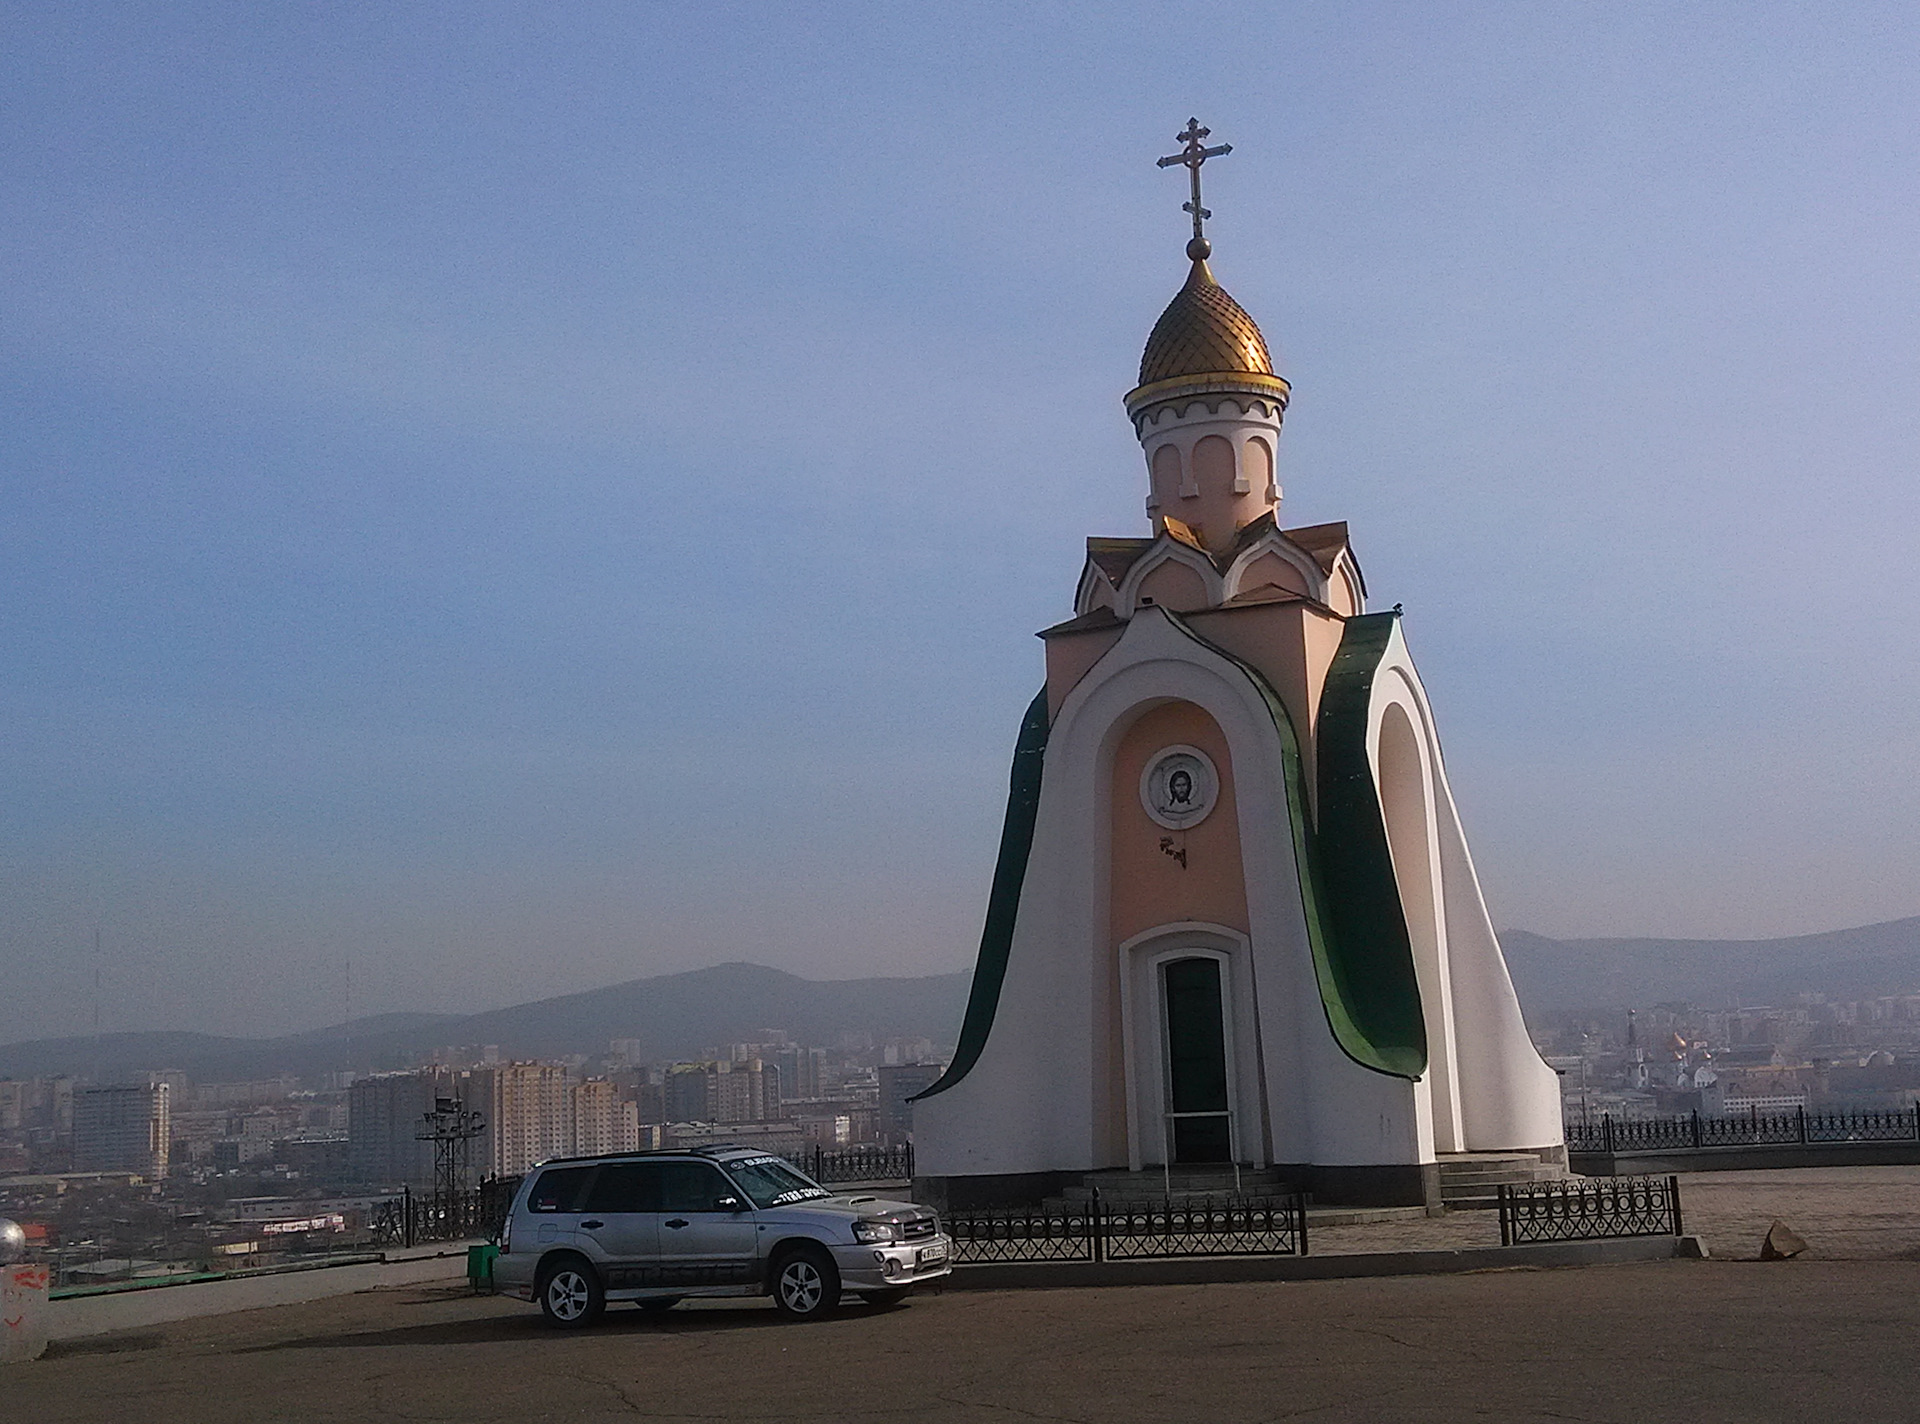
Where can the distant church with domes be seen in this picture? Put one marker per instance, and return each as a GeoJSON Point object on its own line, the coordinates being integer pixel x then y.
{"type": "Point", "coordinates": [1233, 919]}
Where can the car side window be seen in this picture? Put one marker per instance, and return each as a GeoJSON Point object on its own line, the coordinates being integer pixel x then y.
{"type": "Point", "coordinates": [559, 1190]}
{"type": "Point", "coordinates": [625, 1186]}
{"type": "Point", "coordinates": [693, 1186]}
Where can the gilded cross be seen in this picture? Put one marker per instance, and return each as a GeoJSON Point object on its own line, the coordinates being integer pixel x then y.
{"type": "Point", "coordinates": [1191, 157]}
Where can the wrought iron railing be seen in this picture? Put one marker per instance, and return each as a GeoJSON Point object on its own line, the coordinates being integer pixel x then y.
{"type": "Point", "coordinates": [408, 1220]}
{"type": "Point", "coordinates": [857, 1164]}
{"type": "Point", "coordinates": [1024, 1235]}
{"type": "Point", "coordinates": [1103, 1231]}
{"type": "Point", "coordinates": [1748, 1129]}
{"type": "Point", "coordinates": [1589, 1208]}
{"type": "Point", "coordinates": [1261, 1226]}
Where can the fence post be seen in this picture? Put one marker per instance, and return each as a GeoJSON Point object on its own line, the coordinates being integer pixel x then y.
{"type": "Point", "coordinates": [1300, 1201]}
{"type": "Point", "coordinates": [406, 1215]}
{"type": "Point", "coordinates": [1696, 1127]}
{"type": "Point", "coordinates": [909, 1159]}
{"type": "Point", "coordinates": [1096, 1228]}
{"type": "Point", "coordinates": [1606, 1131]}
{"type": "Point", "coordinates": [1673, 1196]}
{"type": "Point", "coordinates": [1801, 1112]}
{"type": "Point", "coordinates": [1506, 1219]}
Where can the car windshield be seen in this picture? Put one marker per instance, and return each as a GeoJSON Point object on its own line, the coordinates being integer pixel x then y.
{"type": "Point", "coordinates": [773, 1181]}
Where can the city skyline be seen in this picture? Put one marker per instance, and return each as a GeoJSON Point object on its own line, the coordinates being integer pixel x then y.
{"type": "Point", "coordinates": [387, 585]}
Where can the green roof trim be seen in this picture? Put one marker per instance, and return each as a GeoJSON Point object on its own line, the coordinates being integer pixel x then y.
{"type": "Point", "coordinates": [1372, 970]}
{"type": "Point", "coordinates": [1362, 957]}
{"type": "Point", "coordinates": [1003, 901]}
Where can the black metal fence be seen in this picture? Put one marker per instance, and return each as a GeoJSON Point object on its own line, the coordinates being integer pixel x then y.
{"type": "Point", "coordinates": [1024, 1235]}
{"type": "Point", "coordinates": [408, 1220]}
{"type": "Point", "coordinates": [1102, 1231]}
{"type": "Point", "coordinates": [1589, 1208]}
{"type": "Point", "coordinates": [1748, 1129]}
{"type": "Point", "coordinates": [857, 1164]}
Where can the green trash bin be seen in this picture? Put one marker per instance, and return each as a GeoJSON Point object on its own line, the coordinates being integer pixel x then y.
{"type": "Point", "coordinates": [480, 1268]}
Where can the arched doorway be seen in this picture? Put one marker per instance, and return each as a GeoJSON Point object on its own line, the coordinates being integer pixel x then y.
{"type": "Point", "coordinates": [1199, 1116]}
{"type": "Point", "coordinates": [1190, 1049]}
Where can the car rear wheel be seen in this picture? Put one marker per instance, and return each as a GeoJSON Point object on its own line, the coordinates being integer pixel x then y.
{"type": "Point", "coordinates": [571, 1296]}
{"type": "Point", "coordinates": [805, 1283]}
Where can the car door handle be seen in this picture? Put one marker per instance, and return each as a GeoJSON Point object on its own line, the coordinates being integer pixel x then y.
{"type": "Point", "coordinates": [676, 1223]}
{"type": "Point", "coordinates": [592, 1225]}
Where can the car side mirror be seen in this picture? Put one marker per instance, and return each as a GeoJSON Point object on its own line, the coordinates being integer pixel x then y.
{"type": "Point", "coordinates": [729, 1203]}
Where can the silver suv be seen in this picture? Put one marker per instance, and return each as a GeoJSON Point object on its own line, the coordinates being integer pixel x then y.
{"type": "Point", "coordinates": [657, 1227]}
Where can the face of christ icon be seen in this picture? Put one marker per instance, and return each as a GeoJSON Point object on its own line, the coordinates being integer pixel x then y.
{"type": "Point", "coordinates": [1177, 787]}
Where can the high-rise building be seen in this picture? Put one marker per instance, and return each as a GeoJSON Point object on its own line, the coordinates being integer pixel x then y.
{"type": "Point", "coordinates": [747, 1091]}
{"type": "Point", "coordinates": [687, 1093]}
{"type": "Point", "coordinates": [602, 1120]}
{"type": "Point", "coordinates": [744, 1091]}
{"type": "Point", "coordinates": [800, 1070]}
{"type": "Point", "coordinates": [898, 1084]}
{"type": "Point", "coordinates": [524, 1109]}
{"type": "Point", "coordinates": [122, 1129]}
{"type": "Point", "coordinates": [384, 1115]}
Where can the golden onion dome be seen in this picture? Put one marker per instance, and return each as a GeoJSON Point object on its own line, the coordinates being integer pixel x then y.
{"type": "Point", "coordinates": [1203, 332]}
{"type": "Point", "coordinates": [1204, 345]}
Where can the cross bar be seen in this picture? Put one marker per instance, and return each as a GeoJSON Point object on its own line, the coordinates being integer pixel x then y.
{"type": "Point", "coordinates": [1191, 156]}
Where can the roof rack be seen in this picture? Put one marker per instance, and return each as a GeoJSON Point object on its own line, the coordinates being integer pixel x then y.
{"type": "Point", "coordinates": [708, 1149]}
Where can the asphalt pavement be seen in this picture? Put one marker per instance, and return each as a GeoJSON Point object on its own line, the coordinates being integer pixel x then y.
{"type": "Point", "coordinates": [1696, 1340]}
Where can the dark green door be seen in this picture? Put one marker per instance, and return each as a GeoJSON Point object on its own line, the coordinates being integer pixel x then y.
{"type": "Point", "coordinates": [1196, 1062]}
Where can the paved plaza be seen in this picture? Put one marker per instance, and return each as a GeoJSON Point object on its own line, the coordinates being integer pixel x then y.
{"type": "Point", "coordinates": [1829, 1336]}
{"type": "Point", "coordinates": [1697, 1340]}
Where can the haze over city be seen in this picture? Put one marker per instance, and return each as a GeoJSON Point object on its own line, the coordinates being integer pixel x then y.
{"type": "Point", "coordinates": [520, 505]}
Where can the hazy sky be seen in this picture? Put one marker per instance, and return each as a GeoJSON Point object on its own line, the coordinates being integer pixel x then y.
{"type": "Point", "coordinates": [522, 497]}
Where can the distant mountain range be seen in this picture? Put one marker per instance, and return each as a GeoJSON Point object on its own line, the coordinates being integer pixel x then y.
{"type": "Point", "coordinates": [1868, 962]}
{"type": "Point", "coordinates": [672, 1015]}
{"type": "Point", "coordinates": [683, 1015]}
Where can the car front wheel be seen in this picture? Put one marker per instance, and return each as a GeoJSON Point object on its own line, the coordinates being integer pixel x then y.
{"type": "Point", "coordinates": [805, 1284]}
{"type": "Point", "coordinates": [571, 1296]}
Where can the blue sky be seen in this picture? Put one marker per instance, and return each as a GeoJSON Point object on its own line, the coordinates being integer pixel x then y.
{"type": "Point", "coordinates": [521, 497]}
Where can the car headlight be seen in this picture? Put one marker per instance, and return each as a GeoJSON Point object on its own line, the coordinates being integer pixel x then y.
{"type": "Point", "coordinates": [875, 1232]}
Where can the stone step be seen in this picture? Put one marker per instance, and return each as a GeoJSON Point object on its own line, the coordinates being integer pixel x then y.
{"type": "Point", "coordinates": [1471, 1181]}
{"type": "Point", "coordinates": [1491, 1180]}
{"type": "Point", "coordinates": [1474, 1161]}
{"type": "Point", "coordinates": [1144, 1180]}
{"type": "Point", "coordinates": [1158, 1184]}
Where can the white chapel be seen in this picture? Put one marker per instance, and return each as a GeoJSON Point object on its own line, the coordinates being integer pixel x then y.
{"type": "Point", "coordinates": [1234, 919]}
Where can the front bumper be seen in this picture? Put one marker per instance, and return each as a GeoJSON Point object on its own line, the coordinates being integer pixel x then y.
{"type": "Point", "coordinates": [889, 1267]}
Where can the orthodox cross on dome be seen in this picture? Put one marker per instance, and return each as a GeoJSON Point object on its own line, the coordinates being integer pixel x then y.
{"type": "Point", "coordinates": [1191, 157]}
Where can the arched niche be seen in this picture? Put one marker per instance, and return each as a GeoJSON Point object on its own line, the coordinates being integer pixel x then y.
{"type": "Point", "coordinates": [1213, 464]}
{"type": "Point", "coordinates": [1167, 484]}
{"type": "Point", "coordinates": [1257, 472]}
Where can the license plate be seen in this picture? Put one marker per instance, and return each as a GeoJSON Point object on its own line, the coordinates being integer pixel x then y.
{"type": "Point", "coordinates": [933, 1255]}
